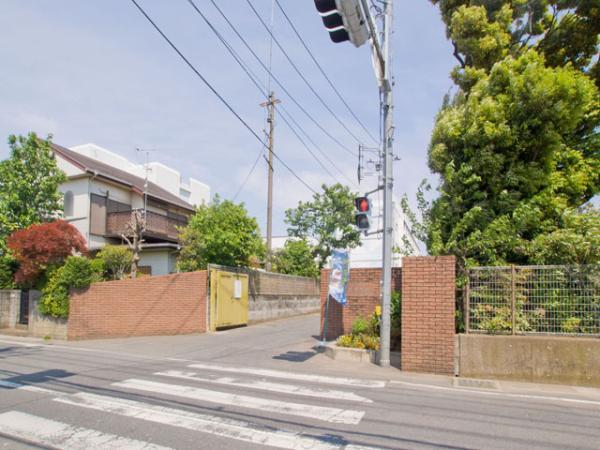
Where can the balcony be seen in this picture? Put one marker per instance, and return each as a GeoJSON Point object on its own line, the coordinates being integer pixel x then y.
{"type": "Point", "coordinates": [158, 226]}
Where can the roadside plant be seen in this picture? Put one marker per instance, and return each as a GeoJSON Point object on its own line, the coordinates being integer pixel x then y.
{"type": "Point", "coordinates": [295, 258]}
{"type": "Point", "coordinates": [76, 272]}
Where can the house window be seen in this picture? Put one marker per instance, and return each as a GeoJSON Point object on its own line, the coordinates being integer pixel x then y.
{"type": "Point", "coordinates": [68, 203]}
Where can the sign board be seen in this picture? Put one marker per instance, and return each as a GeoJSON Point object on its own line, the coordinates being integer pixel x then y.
{"type": "Point", "coordinates": [237, 288]}
{"type": "Point", "coordinates": [340, 272]}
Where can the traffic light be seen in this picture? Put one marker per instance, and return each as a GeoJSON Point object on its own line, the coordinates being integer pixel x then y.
{"type": "Point", "coordinates": [363, 213]}
{"type": "Point", "coordinates": [344, 19]}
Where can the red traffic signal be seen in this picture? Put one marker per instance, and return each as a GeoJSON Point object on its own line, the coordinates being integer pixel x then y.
{"type": "Point", "coordinates": [362, 204]}
{"type": "Point", "coordinates": [363, 211]}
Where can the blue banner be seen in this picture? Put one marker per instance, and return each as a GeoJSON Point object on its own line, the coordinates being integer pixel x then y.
{"type": "Point", "coordinates": [340, 272]}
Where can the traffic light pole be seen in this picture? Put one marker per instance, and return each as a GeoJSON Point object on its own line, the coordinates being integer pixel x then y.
{"type": "Point", "coordinates": [384, 74]}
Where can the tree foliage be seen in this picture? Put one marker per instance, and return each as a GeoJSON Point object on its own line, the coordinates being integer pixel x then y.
{"type": "Point", "coordinates": [116, 261]}
{"type": "Point", "coordinates": [328, 219]}
{"type": "Point", "coordinates": [41, 247]}
{"type": "Point", "coordinates": [29, 181]}
{"type": "Point", "coordinates": [220, 233]}
{"type": "Point", "coordinates": [296, 258]}
{"type": "Point", "coordinates": [77, 272]}
{"type": "Point", "coordinates": [517, 148]}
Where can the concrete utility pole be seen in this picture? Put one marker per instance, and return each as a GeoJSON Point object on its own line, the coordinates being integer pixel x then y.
{"type": "Point", "coordinates": [270, 105]}
{"type": "Point", "coordinates": [388, 188]}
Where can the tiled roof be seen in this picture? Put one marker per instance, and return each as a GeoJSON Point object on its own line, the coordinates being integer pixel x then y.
{"type": "Point", "coordinates": [136, 183]}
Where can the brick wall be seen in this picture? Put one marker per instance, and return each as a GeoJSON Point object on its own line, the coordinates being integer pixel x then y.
{"type": "Point", "coordinates": [363, 295]}
{"type": "Point", "coordinates": [428, 305]}
{"type": "Point", "coordinates": [171, 304]}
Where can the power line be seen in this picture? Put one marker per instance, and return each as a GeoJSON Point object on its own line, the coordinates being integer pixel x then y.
{"type": "Point", "coordinates": [214, 91]}
{"type": "Point", "coordinates": [312, 119]}
{"type": "Point", "coordinates": [255, 80]}
{"type": "Point", "coordinates": [260, 153]}
{"type": "Point", "coordinates": [299, 72]}
{"type": "Point", "coordinates": [324, 73]}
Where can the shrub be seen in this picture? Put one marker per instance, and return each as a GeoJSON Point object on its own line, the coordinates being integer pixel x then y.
{"type": "Point", "coordinates": [77, 272]}
{"type": "Point", "coordinates": [360, 326]}
{"type": "Point", "coordinates": [116, 261]}
{"type": "Point", "coordinates": [8, 267]}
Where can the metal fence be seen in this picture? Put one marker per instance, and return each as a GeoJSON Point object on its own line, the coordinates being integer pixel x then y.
{"type": "Point", "coordinates": [533, 299]}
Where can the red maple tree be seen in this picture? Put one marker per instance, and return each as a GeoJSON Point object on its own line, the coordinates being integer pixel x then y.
{"type": "Point", "coordinates": [40, 246]}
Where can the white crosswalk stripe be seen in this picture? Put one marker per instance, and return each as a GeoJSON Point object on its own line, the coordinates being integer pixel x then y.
{"type": "Point", "coordinates": [229, 428]}
{"type": "Point", "coordinates": [327, 414]}
{"type": "Point", "coordinates": [268, 386]}
{"type": "Point", "coordinates": [42, 431]}
{"type": "Point", "coordinates": [62, 435]}
{"type": "Point", "coordinates": [342, 381]}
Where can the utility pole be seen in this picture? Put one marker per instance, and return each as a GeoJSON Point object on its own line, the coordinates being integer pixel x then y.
{"type": "Point", "coordinates": [270, 105]}
{"type": "Point", "coordinates": [388, 188]}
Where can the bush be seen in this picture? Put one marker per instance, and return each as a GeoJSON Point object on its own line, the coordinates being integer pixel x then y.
{"type": "Point", "coordinates": [8, 267]}
{"type": "Point", "coordinates": [77, 272]}
{"type": "Point", "coordinates": [360, 326]}
{"type": "Point", "coordinates": [116, 261]}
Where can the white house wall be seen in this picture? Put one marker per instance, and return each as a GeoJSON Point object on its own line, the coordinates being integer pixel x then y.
{"type": "Point", "coordinates": [162, 261]}
{"type": "Point", "coordinates": [79, 187]}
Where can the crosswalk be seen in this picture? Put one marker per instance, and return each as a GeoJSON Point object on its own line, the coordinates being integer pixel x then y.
{"type": "Point", "coordinates": [266, 393]}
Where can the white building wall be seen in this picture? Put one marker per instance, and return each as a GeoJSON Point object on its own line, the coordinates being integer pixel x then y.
{"type": "Point", "coordinates": [192, 190]}
{"type": "Point", "coordinates": [79, 188]}
{"type": "Point", "coordinates": [162, 261]}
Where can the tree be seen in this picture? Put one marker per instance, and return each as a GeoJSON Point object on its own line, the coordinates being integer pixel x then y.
{"type": "Point", "coordinates": [29, 182]}
{"type": "Point", "coordinates": [328, 219]}
{"type": "Point", "coordinates": [42, 247]}
{"type": "Point", "coordinates": [116, 261]}
{"type": "Point", "coordinates": [220, 233]}
{"type": "Point", "coordinates": [134, 237]}
{"type": "Point", "coordinates": [518, 145]}
{"type": "Point", "coordinates": [296, 258]}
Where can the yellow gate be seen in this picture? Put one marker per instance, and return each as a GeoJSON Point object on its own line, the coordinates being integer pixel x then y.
{"type": "Point", "coordinates": [228, 299]}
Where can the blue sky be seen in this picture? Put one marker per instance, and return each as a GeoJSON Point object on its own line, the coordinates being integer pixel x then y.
{"type": "Point", "coordinates": [97, 72]}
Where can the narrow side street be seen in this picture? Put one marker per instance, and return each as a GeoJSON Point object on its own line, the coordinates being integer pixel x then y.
{"type": "Point", "coordinates": [265, 385]}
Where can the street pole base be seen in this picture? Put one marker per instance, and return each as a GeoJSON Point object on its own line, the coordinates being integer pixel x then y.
{"type": "Point", "coordinates": [384, 363]}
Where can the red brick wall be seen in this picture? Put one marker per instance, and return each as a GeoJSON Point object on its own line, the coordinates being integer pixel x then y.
{"type": "Point", "coordinates": [171, 304]}
{"type": "Point", "coordinates": [363, 295]}
{"type": "Point", "coordinates": [428, 305]}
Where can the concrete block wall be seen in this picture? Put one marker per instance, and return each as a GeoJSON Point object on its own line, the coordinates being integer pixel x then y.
{"type": "Point", "coordinates": [43, 326]}
{"type": "Point", "coordinates": [9, 307]}
{"type": "Point", "coordinates": [273, 296]}
{"type": "Point", "coordinates": [363, 294]}
{"type": "Point", "coordinates": [164, 305]}
{"type": "Point", "coordinates": [428, 308]}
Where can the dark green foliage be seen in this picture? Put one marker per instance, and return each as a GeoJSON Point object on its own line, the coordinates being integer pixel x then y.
{"type": "Point", "coordinates": [296, 258]}
{"type": "Point", "coordinates": [8, 267]}
{"type": "Point", "coordinates": [328, 219]}
{"type": "Point", "coordinates": [77, 272]}
{"type": "Point", "coordinates": [220, 233]}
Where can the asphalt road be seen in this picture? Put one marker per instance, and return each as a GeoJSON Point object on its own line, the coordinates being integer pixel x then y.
{"type": "Point", "coordinates": [256, 387]}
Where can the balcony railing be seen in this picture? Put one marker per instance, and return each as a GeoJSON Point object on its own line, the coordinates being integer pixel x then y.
{"type": "Point", "coordinates": [157, 225]}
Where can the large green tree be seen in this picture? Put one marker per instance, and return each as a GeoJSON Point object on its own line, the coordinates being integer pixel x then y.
{"type": "Point", "coordinates": [220, 233]}
{"type": "Point", "coordinates": [517, 147]}
{"type": "Point", "coordinates": [328, 219]}
{"type": "Point", "coordinates": [296, 258]}
{"type": "Point", "coordinates": [29, 182]}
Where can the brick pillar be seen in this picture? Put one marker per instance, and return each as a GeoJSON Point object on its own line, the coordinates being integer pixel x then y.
{"type": "Point", "coordinates": [428, 305]}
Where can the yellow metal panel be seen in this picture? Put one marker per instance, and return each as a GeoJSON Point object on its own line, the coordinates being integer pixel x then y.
{"type": "Point", "coordinates": [229, 299]}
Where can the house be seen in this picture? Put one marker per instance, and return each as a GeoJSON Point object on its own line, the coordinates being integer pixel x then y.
{"type": "Point", "coordinates": [102, 190]}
